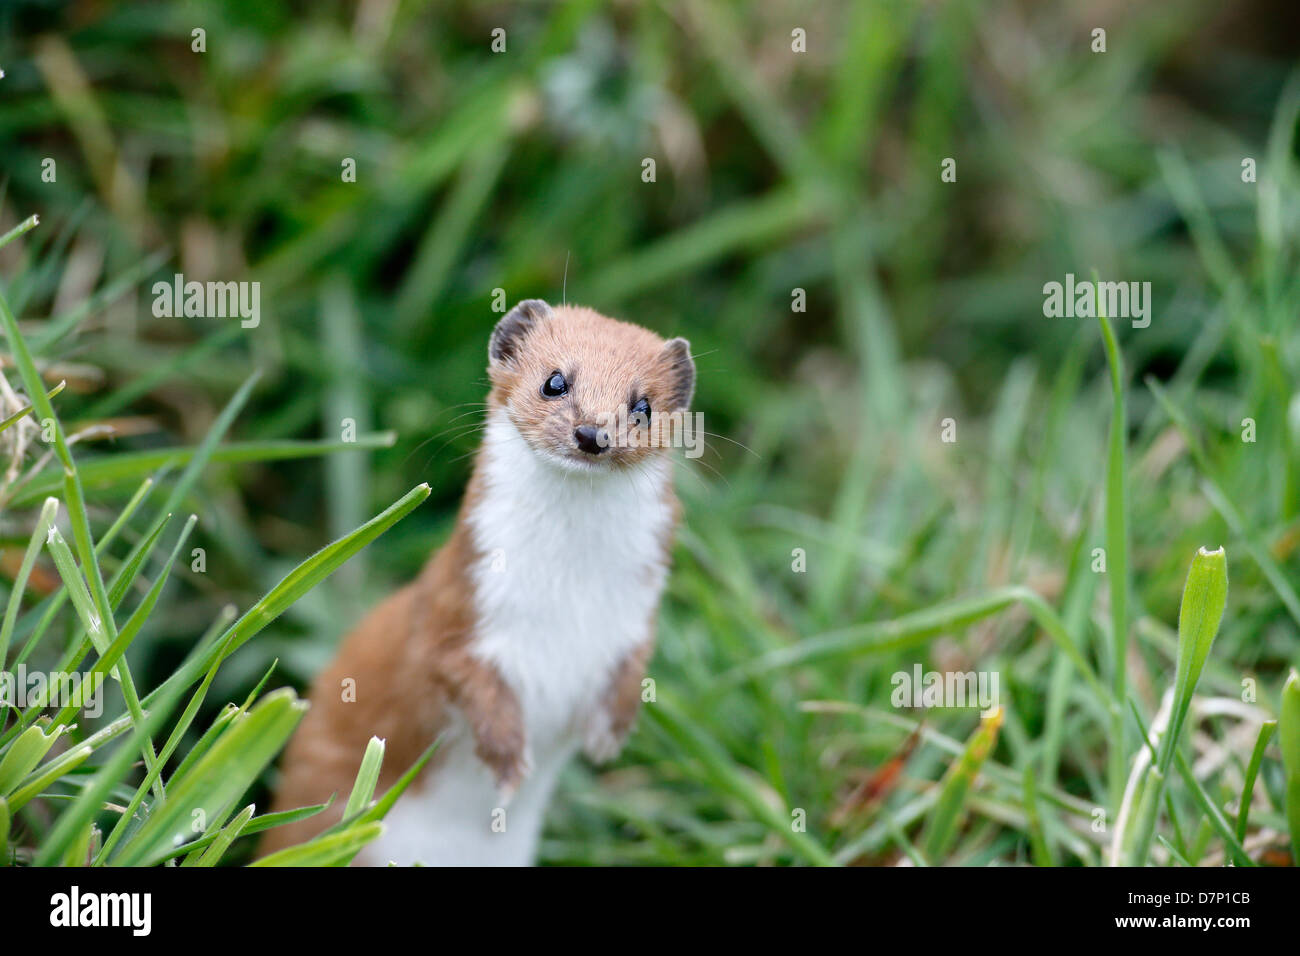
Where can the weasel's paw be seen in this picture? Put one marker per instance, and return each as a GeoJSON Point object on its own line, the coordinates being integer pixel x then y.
{"type": "Point", "coordinates": [509, 760]}
{"type": "Point", "coordinates": [601, 740]}
{"type": "Point", "coordinates": [509, 777]}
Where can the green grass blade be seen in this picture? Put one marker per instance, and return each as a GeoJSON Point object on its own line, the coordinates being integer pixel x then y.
{"type": "Point", "coordinates": [77, 590]}
{"type": "Point", "coordinates": [39, 532]}
{"type": "Point", "coordinates": [101, 622]}
{"type": "Point", "coordinates": [719, 769]}
{"type": "Point", "coordinates": [941, 826]}
{"type": "Point", "coordinates": [367, 777]}
{"type": "Point", "coordinates": [1039, 850]}
{"type": "Point", "coordinates": [28, 224]}
{"type": "Point", "coordinates": [178, 731]}
{"type": "Point", "coordinates": [1213, 815]}
{"type": "Point", "coordinates": [228, 835]}
{"type": "Point", "coordinates": [310, 573]}
{"type": "Point", "coordinates": [114, 470]}
{"type": "Point", "coordinates": [47, 610]}
{"type": "Point", "coordinates": [25, 411]}
{"type": "Point", "coordinates": [256, 825]}
{"type": "Point", "coordinates": [1266, 730]}
{"type": "Point", "coordinates": [912, 630]}
{"type": "Point", "coordinates": [380, 808]}
{"type": "Point", "coordinates": [23, 755]}
{"type": "Point", "coordinates": [46, 776]}
{"type": "Point", "coordinates": [326, 850]}
{"type": "Point", "coordinates": [81, 850]}
{"type": "Point", "coordinates": [92, 796]}
{"type": "Point", "coordinates": [1205, 596]}
{"type": "Point", "coordinates": [114, 652]}
{"type": "Point", "coordinates": [220, 777]}
{"type": "Point", "coordinates": [1288, 725]}
{"type": "Point", "coordinates": [1117, 562]}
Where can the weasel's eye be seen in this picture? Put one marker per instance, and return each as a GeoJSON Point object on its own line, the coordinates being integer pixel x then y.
{"type": "Point", "coordinates": [641, 412]}
{"type": "Point", "coordinates": [555, 386]}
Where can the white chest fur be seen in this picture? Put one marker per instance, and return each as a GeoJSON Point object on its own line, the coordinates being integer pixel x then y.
{"type": "Point", "coordinates": [571, 571]}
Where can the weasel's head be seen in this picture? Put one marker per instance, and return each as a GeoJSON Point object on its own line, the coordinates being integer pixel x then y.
{"type": "Point", "coordinates": [587, 392]}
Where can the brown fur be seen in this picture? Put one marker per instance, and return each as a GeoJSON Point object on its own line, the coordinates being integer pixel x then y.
{"type": "Point", "coordinates": [410, 656]}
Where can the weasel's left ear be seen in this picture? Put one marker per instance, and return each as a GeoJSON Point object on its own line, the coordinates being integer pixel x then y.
{"type": "Point", "coordinates": [680, 369]}
{"type": "Point", "coordinates": [514, 326]}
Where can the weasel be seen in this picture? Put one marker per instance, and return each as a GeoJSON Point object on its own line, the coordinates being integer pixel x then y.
{"type": "Point", "coordinates": [527, 635]}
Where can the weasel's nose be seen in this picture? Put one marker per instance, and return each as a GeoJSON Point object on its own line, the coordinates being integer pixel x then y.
{"type": "Point", "coordinates": [590, 439]}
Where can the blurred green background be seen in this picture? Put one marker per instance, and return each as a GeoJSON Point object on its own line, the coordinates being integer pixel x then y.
{"type": "Point", "coordinates": [776, 171]}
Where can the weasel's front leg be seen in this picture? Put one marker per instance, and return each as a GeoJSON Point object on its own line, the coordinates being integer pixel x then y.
{"type": "Point", "coordinates": [607, 726]}
{"type": "Point", "coordinates": [497, 723]}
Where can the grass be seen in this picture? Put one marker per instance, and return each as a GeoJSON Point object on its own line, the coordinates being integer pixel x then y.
{"type": "Point", "coordinates": [240, 744]}
{"type": "Point", "coordinates": [772, 739]}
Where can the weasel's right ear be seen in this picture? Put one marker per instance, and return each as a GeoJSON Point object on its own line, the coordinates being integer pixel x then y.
{"type": "Point", "coordinates": [680, 368]}
{"type": "Point", "coordinates": [509, 333]}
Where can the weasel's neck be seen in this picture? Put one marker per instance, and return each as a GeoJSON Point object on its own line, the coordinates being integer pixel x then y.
{"type": "Point", "coordinates": [515, 483]}
{"type": "Point", "coordinates": [570, 566]}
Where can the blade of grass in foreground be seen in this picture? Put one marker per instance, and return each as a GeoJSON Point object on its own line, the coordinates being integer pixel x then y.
{"type": "Point", "coordinates": [941, 827]}
{"type": "Point", "coordinates": [1289, 736]}
{"type": "Point", "coordinates": [43, 521]}
{"type": "Point", "coordinates": [135, 559]}
{"type": "Point", "coordinates": [26, 410]}
{"type": "Point", "coordinates": [1214, 818]}
{"type": "Point", "coordinates": [301, 580]}
{"type": "Point", "coordinates": [113, 652]}
{"type": "Point", "coordinates": [44, 613]}
{"type": "Point", "coordinates": [385, 803]}
{"type": "Point", "coordinates": [43, 776]}
{"type": "Point", "coordinates": [1117, 569]}
{"type": "Point", "coordinates": [219, 778]}
{"type": "Point", "coordinates": [1266, 731]}
{"type": "Point", "coordinates": [28, 224]}
{"type": "Point", "coordinates": [94, 794]}
{"type": "Point", "coordinates": [338, 845]}
{"type": "Point", "coordinates": [328, 850]}
{"type": "Point", "coordinates": [23, 755]}
{"type": "Point", "coordinates": [1205, 596]}
{"type": "Point", "coordinates": [77, 513]}
{"type": "Point", "coordinates": [367, 777]}
{"type": "Point", "coordinates": [193, 851]}
{"type": "Point", "coordinates": [227, 835]}
{"type": "Point", "coordinates": [4, 833]}
{"type": "Point", "coordinates": [79, 648]}
{"type": "Point", "coordinates": [178, 731]}
{"type": "Point", "coordinates": [164, 697]}
{"type": "Point", "coordinates": [113, 470]}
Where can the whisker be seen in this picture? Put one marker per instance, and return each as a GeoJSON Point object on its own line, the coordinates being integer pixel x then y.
{"type": "Point", "coordinates": [682, 463]}
{"type": "Point", "coordinates": [443, 431]}
{"type": "Point", "coordinates": [733, 441]}
{"type": "Point", "coordinates": [473, 451]}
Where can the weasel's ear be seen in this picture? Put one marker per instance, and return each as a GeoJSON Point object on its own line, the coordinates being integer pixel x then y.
{"type": "Point", "coordinates": [514, 325]}
{"type": "Point", "coordinates": [680, 369]}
